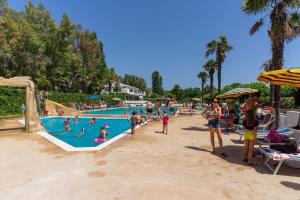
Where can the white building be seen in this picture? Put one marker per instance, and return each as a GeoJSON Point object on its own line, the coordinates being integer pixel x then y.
{"type": "Point", "coordinates": [132, 93]}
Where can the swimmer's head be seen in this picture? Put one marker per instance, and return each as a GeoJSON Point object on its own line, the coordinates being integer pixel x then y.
{"type": "Point", "coordinates": [133, 112]}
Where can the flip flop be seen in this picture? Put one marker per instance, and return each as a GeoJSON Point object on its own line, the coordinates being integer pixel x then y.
{"type": "Point", "coordinates": [252, 164]}
{"type": "Point", "coordinates": [224, 155]}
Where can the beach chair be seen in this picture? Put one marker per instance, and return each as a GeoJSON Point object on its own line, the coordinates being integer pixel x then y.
{"type": "Point", "coordinates": [263, 133]}
{"type": "Point", "coordinates": [266, 125]}
{"type": "Point", "coordinates": [275, 156]}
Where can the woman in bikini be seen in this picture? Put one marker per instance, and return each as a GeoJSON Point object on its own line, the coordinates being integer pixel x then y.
{"type": "Point", "coordinates": [215, 126]}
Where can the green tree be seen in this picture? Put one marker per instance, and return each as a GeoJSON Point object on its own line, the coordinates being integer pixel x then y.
{"type": "Point", "coordinates": [177, 92]}
{"type": "Point", "coordinates": [284, 21]}
{"type": "Point", "coordinates": [219, 48]}
{"type": "Point", "coordinates": [211, 67]}
{"type": "Point", "coordinates": [157, 85]}
{"type": "Point", "coordinates": [203, 77]}
{"type": "Point", "coordinates": [135, 81]}
{"type": "Point", "coordinates": [111, 78]}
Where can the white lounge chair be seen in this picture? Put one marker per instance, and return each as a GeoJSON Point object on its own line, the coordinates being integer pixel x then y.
{"type": "Point", "coordinates": [266, 125]}
{"type": "Point", "coordinates": [263, 133]}
{"type": "Point", "coordinates": [275, 156]}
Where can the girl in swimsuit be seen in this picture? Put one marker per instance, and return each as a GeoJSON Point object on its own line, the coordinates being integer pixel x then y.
{"type": "Point", "coordinates": [165, 122]}
{"type": "Point", "coordinates": [250, 125]}
{"type": "Point", "coordinates": [214, 125]}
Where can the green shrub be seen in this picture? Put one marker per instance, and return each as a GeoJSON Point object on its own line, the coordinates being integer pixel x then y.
{"type": "Point", "coordinates": [68, 98]}
{"type": "Point", "coordinates": [11, 100]}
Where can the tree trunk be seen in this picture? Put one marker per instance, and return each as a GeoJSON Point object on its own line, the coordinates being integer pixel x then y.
{"type": "Point", "coordinates": [211, 73]}
{"type": "Point", "coordinates": [202, 92]}
{"type": "Point", "coordinates": [109, 87]}
{"type": "Point", "coordinates": [219, 76]}
{"type": "Point", "coordinates": [278, 21]}
{"type": "Point", "coordinates": [271, 102]}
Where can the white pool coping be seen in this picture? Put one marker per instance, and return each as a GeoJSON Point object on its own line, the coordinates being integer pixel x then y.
{"type": "Point", "coordinates": [67, 147]}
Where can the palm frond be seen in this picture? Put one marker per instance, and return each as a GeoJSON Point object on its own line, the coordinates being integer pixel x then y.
{"type": "Point", "coordinates": [210, 65]}
{"type": "Point", "coordinates": [211, 48]}
{"type": "Point", "coordinates": [256, 26]}
{"type": "Point", "coordinates": [253, 7]}
{"type": "Point", "coordinates": [267, 66]}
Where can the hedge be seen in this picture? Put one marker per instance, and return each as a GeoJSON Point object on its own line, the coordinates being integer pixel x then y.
{"type": "Point", "coordinates": [68, 98]}
{"type": "Point", "coordinates": [11, 99]}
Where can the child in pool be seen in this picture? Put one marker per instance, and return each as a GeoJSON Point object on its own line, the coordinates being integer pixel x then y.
{"type": "Point", "coordinates": [103, 135]}
{"type": "Point", "coordinates": [76, 119]}
{"type": "Point", "coordinates": [134, 121]}
{"type": "Point", "coordinates": [68, 127]}
{"type": "Point", "coordinates": [67, 121]}
{"type": "Point", "coordinates": [165, 122]}
{"type": "Point", "coordinates": [93, 121]}
{"type": "Point", "coordinates": [83, 131]}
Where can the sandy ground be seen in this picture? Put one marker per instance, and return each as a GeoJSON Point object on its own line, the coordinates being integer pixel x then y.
{"type": "Point", "coordinates": [148, 165]}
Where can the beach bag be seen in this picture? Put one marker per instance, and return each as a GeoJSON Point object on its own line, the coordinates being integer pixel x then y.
{"type": "Point", "coordinates": [275, 137]}
{"type": "Point", "coordinates": [289, 147]}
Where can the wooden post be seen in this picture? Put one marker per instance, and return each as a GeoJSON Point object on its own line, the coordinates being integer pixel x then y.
{"type": "Point", "coordinates": [28, 109]}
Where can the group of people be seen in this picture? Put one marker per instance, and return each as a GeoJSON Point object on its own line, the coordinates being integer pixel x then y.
{"type": "Point", "coordinates": [137, 119]}
{"type": "Point", "coordinates": [103, 129]}
{"type": "Point", "coordinates": [249, 117]}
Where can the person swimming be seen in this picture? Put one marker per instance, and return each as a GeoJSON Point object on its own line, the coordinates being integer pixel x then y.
{"type": "Point", "coordinates": [83, 132]}
{"type": "Point", "coordinates": [93, 121]}
{"type": "Point", "coordinates": [76, 119]}
{"type": "Point", "coordinates": [68, 127]}
{"type": "Point", "coordinates": [67, 121]}
{"type": "Point", "coordinates": [103, 135]}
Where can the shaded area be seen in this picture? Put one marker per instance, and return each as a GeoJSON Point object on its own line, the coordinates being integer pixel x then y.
{"type": "Point", "coordinates": [12, 129]}
{"type": "Point", "coordinates": [197, 149]}
{"type": "Point", "coordinates": [295, 186]}
{"type": "Point", "coordinates": [194, 128]}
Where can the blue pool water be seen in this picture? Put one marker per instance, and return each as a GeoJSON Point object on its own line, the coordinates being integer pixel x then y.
{"type": "Point", "coordinates": [55, 126]}
{"type": "Point", "coordinates": [121, 111]}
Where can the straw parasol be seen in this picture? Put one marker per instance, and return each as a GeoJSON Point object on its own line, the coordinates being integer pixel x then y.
{"type": "Point", "coordinates": [196, 99]}
{"type": "Point", "coordinates": [287, 77]}
{"type": "Point", "coordinates": [117, 99]}
{"type": "Point", "coordinates": [236, 93]}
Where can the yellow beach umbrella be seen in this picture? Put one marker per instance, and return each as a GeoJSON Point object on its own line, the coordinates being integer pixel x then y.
{"type": "Point", "coordinates": [287, 77]}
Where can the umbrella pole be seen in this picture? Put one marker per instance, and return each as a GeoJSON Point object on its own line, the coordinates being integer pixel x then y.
{"type": "Point", "coordinates": [277, 105]}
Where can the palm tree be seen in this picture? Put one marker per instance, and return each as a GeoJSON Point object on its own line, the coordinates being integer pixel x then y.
{"type": "Point", "coordinates": [111, 78]}
{"type": "Point", "coordinates": [203, 77]}
{"type": "Point", "coordinates": [211, 67]}
{"type": "Point", "coordinates": [284, 23]}
{"type": "Point", "coordinates": [220, 48]}
{"type": "Point", "coordinates": [267, 66]}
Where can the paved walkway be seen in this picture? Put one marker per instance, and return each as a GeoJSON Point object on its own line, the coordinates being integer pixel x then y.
{"type": "Point", "coordinates": [148, 165]}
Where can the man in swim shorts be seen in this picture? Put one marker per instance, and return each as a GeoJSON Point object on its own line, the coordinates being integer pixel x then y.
{"type": "Point", "coordinates": [149, 108]}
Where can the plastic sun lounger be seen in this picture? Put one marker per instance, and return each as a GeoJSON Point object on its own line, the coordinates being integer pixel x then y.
{"type": "Point", "coordinates": [262, 133]}
{"type": "Point", "coordinates": [269, 154]}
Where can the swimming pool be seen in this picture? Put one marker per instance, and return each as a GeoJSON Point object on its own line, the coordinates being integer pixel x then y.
{"type": "Point", "coordinates": [122, 111]}
{"type": "Point", "coordinates": [70, 140]}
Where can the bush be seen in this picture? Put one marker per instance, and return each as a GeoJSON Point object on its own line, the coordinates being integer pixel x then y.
{"type": "Point", "coordinates": [68, 98]}
{"type": "Point", "coordinates": [11, 100]}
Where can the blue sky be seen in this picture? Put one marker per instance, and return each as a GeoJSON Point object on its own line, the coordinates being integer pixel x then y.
{"type": "Point", "coordinates": [141, 36]}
